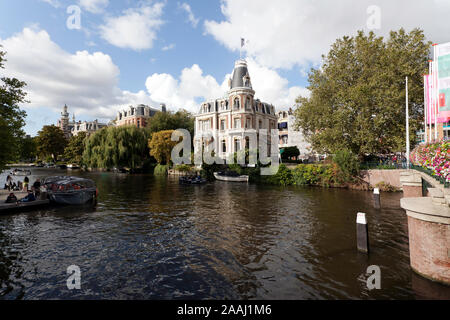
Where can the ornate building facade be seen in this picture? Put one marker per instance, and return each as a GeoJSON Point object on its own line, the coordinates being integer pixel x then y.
{"type": "Point", "coordinates": [138, 116]}
{"type": "Point", "coordinates": [65, 124]}
{"type": "Point", "coordinates": [229, 122]}
{"type": "Point", "coordinates": [73, 128]}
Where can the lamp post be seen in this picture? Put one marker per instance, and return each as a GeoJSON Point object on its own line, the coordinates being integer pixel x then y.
{"type": "Point", "coordinates": [407, 126]}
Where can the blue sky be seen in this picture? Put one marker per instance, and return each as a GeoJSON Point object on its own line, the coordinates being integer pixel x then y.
{"type": "Point", "coordinates": [180, 52]}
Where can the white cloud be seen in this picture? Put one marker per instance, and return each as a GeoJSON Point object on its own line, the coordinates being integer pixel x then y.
{"type": "Point", "coordinates": [53, 3]}
{"type": "Point", "coordinates": [135, 29]}
{"type": "Point", "coordinates": [86, 82]}
{"type": "Point", "coordinates": [285, 33]}
{"type": "Point", "coordinates": [168, 47]}
{"type": "Point", "coordinates": [186, 7]}
{"type": "Point", "coordinates": [193, 86]}
{"type": "Point", "coordinates": [93, 6]}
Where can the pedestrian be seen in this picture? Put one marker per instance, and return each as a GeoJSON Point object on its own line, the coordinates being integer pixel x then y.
{"type": "Point", "coordinates": [9, 182]}
{"type": "Point", "coordinates": [26, 182]}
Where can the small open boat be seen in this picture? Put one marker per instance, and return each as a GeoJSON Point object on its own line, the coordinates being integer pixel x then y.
{"type": "Point", "coordinates": [73, 166]}
{"type": "Point", "coordinates": [70, 190]}
{"type": "Point", "coordinates": [192, 180]}
{"type": "Point", "coordinates": [230, 176]}
{"type": "Point", "coordinates": [21, 172]}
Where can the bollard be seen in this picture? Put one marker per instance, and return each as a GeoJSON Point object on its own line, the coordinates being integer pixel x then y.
{"type": "Point", "coordinates": [362, 233]}
{"type": "Point", "coordinates": [376, 198]}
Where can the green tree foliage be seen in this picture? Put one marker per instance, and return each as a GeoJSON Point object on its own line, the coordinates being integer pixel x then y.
{"type": "Point", "coordinates": [348, 164]}
{"type": "Point", "coordinates": [161, 146]}
{"type": "Point", "coordinates": [12, 119]}
{"type": "Point", "coordinates": [28, 148]}
{"type": "Point", "coordinates": [73, 153]}
{"type": "Point", "coordinates": [51, 142]}
{"type": "Point", "coordinates": [171, 121]}
{"type": "Point", "coordinates": [113, 147]}
{"type": "Point", "coordinates": [357, 97]}
{"type": "Point", "coordinates": [290, 152]}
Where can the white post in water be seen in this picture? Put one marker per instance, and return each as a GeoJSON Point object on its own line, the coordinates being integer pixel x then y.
{"type": "Point", "coordinates": [362, 233]}
{"type": "Point", "coordinates": [407, 126]}
{"type": "Point", "coordinates": [376, 198]}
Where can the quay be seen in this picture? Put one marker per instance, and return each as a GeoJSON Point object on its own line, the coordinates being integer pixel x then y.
{"type": "Point", "coordinates": [6, 208]}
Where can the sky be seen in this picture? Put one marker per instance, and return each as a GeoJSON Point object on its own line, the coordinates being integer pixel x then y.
{"type": "Point", "coordinates": [99, 56]}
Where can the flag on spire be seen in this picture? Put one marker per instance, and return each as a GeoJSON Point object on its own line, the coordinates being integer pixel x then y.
{"type": "Point", "coordinates": [242, 42]}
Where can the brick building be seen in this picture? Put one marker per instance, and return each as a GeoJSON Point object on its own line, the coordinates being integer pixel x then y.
{"type": "Point", "coordinates": [138, 116]}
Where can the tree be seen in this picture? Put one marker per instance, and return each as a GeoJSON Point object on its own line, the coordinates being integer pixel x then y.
{"type": "Point", "coordinates": [113, 147]}
{"type": "Point", "coordinates": [12, 118]}
{"type": "Point", "coordinates": [51, 142]}
{"type": "Point", "coordinates": [75, 148]}
{"type": "Point", "coordinates": [172, 121]}
{"type": "Point", "coordinates": [357, 99]}
{"type": "Point", "coordinates": [289, 152]}
{"type": "Point", "coordinates": [28, 148]}
{"type": "Point", "coordinates": [161, 146]}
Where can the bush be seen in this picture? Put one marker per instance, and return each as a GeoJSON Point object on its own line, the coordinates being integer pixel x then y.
{"type": "Point", "coordinates": [348, 164]}
{"type": "Point", "coordinates": [386, 187]}
{"type": "Point", "coordinates": [161, 170]}
{"type": "Point", "coordinates": [283, 177]}
{"type": "Point", "coordinates": [184, 168]}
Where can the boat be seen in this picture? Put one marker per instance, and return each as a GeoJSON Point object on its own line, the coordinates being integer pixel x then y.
{"type": "Point", "coordinates": [70, 190]}
{"type": "Point", "coordinates": [192, 180]}
{"type": "Point", "coordinates": [21, 172]}
{"type": "Point", "coordinates": [72, 166]}
{"type": "Point", "coordinates": [230, 176]}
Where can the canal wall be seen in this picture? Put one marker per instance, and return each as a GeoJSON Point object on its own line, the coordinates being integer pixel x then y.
{"type": "Point", "coordinates": [375, 176]}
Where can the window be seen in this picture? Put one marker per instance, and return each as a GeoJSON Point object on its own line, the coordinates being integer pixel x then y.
{"type": "Point", "coordinates": [247, 104]}
{"type": "Point", "coordinates": [224, 146]}
{"type": "Point", "coordinates": [260, 124]}
{"type": "Point", "coordinates": [248, 123]}
{"type": "Point", "coordinates": [139, 123]}
{"type": "Point", "coordinates": [237, 123]}
{"type": "Point", "coordinates": [236, 104]}
{"type": "Point", "coordinates": [222, 124]}
{"type": "Point", "coordinates": [237, 145]}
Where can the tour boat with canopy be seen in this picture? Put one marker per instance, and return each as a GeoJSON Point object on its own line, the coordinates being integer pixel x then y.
{"type": "Point", "coordinates": [70, 190]}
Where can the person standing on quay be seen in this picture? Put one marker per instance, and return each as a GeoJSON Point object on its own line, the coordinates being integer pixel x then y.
{"type": "Point", "coordinates": [9, 182]}
{"type": "Point", "coordinates": [26, 182]}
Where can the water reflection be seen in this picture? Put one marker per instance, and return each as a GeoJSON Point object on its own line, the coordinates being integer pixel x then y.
{"type": "Point", "coordinates": [152, 238]}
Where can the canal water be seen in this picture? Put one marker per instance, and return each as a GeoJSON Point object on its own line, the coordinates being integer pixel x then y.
{"type": "Point", "coordinates": [152, 238]}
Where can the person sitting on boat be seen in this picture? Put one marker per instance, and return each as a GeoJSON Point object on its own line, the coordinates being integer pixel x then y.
{"type": "Point", "coordinates": [29, 198]}
{"type": "Point", "coordinates": [26, 182]}
{"type": "Point", "coordinates": [11, 198]}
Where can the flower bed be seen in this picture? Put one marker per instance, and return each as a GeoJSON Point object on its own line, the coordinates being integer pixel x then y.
{"type": "Point", "coordinates": [435, 158]}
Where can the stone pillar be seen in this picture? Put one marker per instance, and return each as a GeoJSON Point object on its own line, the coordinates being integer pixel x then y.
{"type": "Point", "coordinates": [411, 183]}
{"type": "Point", "coordinates": [429, 237]}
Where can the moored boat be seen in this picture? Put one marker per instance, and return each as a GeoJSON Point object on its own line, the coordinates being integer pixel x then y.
{"type": "Point", "coordinates": [73, 166]}
{"type": "Point", "coordinates": [21, 172]}
{"type": "Point", "coordinates": [70, 190]}
{"type": "Point", "coordinates": [192, 180]}
{"type": "Point", "coordinates": [230, 176]}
